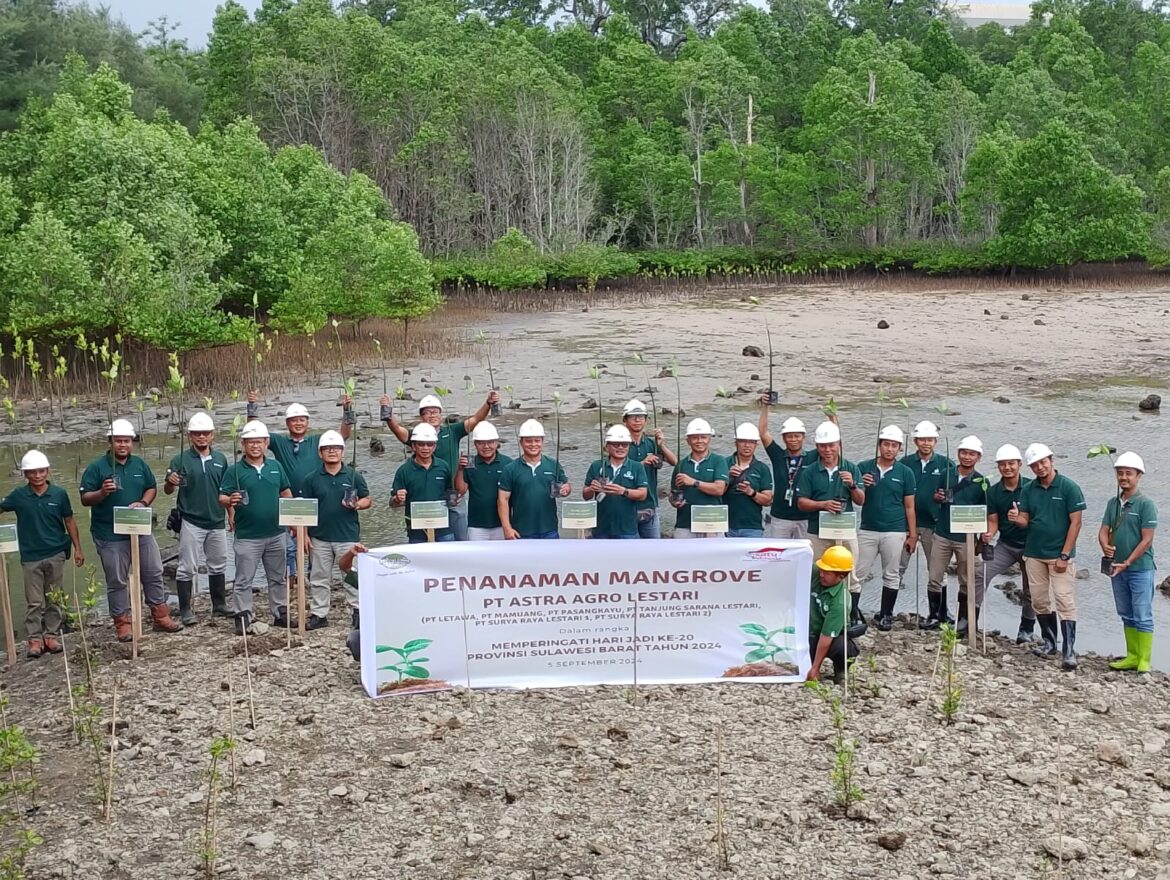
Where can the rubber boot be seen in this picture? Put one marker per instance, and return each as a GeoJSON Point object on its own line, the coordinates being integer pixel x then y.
{"type": "Point", "coordinates": [1130, 660]}
{"type": "Point", "coordinates": [217, 586]}
{"type": "Point", "coordinates": [1145, 646]}
{"type": "Point", "coordinates": [933, 600]}
{"type": "Point", "coordinates": [123, 628]}
{"type": "Point", "coordinates": [1026, 631]}
{"type": "Point", "coordinates": [857, 625]}
{"type": "Point", "coordinates": [1068, 656]}
{"type": "Point", "coordinates": [885, 620]}
{"type": "Point", "coordinates": [161, 620]}
{"type": "Point", "coordinates": [185, 590]}
{"type": "Point", "coordinates": [1047, 646]}
{"type": "Point", "coordinates": [961, 621]}
{"type": "Point", "coordinates": [943, 615]}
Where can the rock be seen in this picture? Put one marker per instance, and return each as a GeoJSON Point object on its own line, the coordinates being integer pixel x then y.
{"type": "Point", "coordinates": [753, 351]}
{"type": "Point", "coordinates": [1099, 706]}
{"type": "Point", "coordinates": [358, 796]}
{"type": "Point", "coordinates": [755, 377]}
{"type": "Point", "coordinates": [339, 792]}
{"type": "Point", "coordinates": [883, 324]}
{"type": "Point", "coordinates": [1111, 753]}
{"type": "Point", "coordinates": [263, 841]}
{"type": "Point", "coordinates": [987, 311]}
{"type": "Point", "coordinates": [1026, 775]}
{"type": "Point", "coordinates": [259, 628]}
{"type": "Point", "coordinates": [1000, 399]}
{"type": "Point", "coordinates": [474, 839]}
{"type": "Point", "coordinates": [254, 758]}
{"type": "Point", "coordinates": [1152, 743]}
{"type": "Point", "coordinates": [568, 741]}
{"type": "Point", "coordinates": [1160, 810]}
{"type": "Point", "coordinates": [1137, 843]}
{"type": "Point", "coordinates": [1038, 322]}
{"type": "Point", "coordinates": [1026, 297]}
{"type": "Point", "coordinates": [589, 404]}
{"type": "Point", "coordinates": [598, 848]}
{"type": "Point", "coordinates": [1004, 317]}
{"type": "Point", "coordinates": [1164, 587]}
{"type": "Point", "coordinates": [1065, 848]}
{"type": "Point", "coordinates": [1150, 403]}
{"type": "Point", "coordinates": [892, 840]}
{"type": "Point", "coordinates": [862, 810]}
{"type": "Point", "coordinates": [400, 760]}
{"type": "Point", "coordinates": [1082, 574]}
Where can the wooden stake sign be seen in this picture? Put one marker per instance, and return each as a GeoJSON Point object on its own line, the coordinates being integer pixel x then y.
{"type": "Point", "coordinates": [299, 514]}
{"type": "Point", "coordinates": [7, 545]}
{"type": "Point", "coordinates": [971, 520]}
{"type": "Point", "coordinates": [134, 521]}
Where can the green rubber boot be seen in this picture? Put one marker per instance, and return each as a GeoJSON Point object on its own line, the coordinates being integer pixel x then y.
{"type": "Point", "coordinates": [1130, 660]}
{"type": "Point", "coordinates": [1145, 646]}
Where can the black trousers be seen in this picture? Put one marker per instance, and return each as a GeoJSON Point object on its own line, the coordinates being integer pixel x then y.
{"type": "Point", "coordinates": [837, 649]}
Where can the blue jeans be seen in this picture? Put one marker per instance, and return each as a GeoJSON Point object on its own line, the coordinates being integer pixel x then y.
{"type": "Point", "coordinates": [616, 537]}
{"type": "Point", "coordinates": [457, 517]}
{"type": "Point", "coordinates": [652, 528]}
{"type": "Point", "coordinates": [745, 533]}
{"type": "Point", "coordinates": [1133, 595]}
{"type": "Point", "coordinates": [414, 537]}
{"type": "Point", "coordinates": [546, 536]}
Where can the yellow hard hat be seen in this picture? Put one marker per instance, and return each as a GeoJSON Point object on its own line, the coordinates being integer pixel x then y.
{"type": "Point", "coordinates": [836, 558]}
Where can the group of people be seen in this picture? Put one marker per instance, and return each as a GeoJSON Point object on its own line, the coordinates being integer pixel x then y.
{"type": "Point", "coordinates": [904, 499]}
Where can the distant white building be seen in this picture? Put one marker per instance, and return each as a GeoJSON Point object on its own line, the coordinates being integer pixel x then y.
{"type": "Point", "coordinates": [1006, 14]}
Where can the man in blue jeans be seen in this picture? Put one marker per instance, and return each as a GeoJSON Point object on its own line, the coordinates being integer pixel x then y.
{"type": "Point", "coordinates": [423, 477]}
{"type": "Point", "coordinates": [651, 452]}
{"type": "Point", "coordinates": [749, 486]}
{"type": "Point", "coordinates": [529, 488]}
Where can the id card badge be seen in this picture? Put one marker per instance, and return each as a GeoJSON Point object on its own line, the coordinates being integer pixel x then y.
{"type": "Point", "coordinates": [788, 497]}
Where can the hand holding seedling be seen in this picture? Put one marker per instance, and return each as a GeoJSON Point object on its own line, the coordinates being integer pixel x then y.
{"type": "Point", "coordinates": [234, 499]}
{"type": "Point", "coordinates": [565, 490]}
{"type": "Point", "coordinates": [866, 479]}
{"type": "Point", "coordinates": [493, 397]}
{"type": "Point", "coordinates": [833, 506]}
{"type": "Point", "coordinates": [745, 487]}
{"type": "Point", "coordinates": [463, 461]}
{"type": "Point", "coordinates": [109, 487]}
{"type": "Point", "coordinates": [846, 479]}
{"type": "Point", "coordinates": [173, 478]}
{"type": "Point", "coordinates": [398, 498]}
{"type": "Point", "coordinates": [940, 496]}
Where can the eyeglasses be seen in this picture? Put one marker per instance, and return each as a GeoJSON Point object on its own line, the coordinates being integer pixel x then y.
{"type": "Point", "coordinates": [618, 443]}
{"type": "Point", "coordinates": [423, 443]}
{"type": "Point", "coordinates": [198, 433]}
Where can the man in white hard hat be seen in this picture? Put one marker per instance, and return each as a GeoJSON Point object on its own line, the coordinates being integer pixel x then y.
{"type": "Point", "coordinates": [340, 492]}
{"type": "Point", "coordinates": [480, 482]}
{"type": "Point", "coordinates": [749, 486]}
{"type": "Point", "coordinates": [252, 488]}
{"type": "Point", "coordinates": [430, 412]}
{"type": "Point", "coordinates": [45, 533]}
{"type": "Point", "coordinates": [832, 484]}
{"type": "Point", "coordinates": [1051, 509]}
{"type": "Point", "coordinates": [529, 487]}
{"type": "Point", "coordinates": [1126, 537]}
{"type": "Point", "coordinates": [122, 479]}
{"type": "Point", "coordinates": [1003, 512]}
{"type": "Point", "coordinates": [651, 452]}
{"type": "Point", "coordinates": [888, 525]}
{"type": "Point", "coordinates": [699, 479]}
{"type": "Point", "coordinates": [929, 469]}
{"type": "Point", "coordinates": [196, 474]}
{"type": "Point", "coordinates": [964, 485]}
{"type": "Point", "coordinates": [422, 477]}
{"type": "Point", "coordinates": [788, 521]}
{"type": "Point", "coordinates": [618, 485]}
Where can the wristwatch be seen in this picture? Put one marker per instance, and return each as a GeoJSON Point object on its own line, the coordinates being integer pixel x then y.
{"type": "Point", "coordinates": [1063, 557]}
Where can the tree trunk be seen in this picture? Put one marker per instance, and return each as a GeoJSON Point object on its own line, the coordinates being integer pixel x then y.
{"type": "Point", "coordinates": [871, 227]}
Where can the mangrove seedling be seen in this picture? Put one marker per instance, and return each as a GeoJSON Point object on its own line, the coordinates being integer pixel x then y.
{"type": "Point", "coordinates": [723, 393]}
{"type": "Point", "coordinates": [943, 412]}
{"type": "Point", "coordinates": [407, 665]}
{"type": "Point", "coordinates": [511, 397]}
{"type": "Point", "coordinates": [481, 338]}
{"type": "Point", "coordinates": [761, 644]}
{"type": "Point", "coordinates": [773, 393]}
{"type": "Point", "coordinates": [595, 375]}
{"type": "Point", "coordinates": [952, 690]}
{"type": "Point", "coordinates": [1104, 449]}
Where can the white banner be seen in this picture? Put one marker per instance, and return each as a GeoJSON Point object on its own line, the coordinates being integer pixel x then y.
{"type": "Point", "coordinates": [519, 614]}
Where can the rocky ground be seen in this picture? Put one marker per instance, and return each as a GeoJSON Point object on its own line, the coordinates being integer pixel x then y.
{"type": "Point", "coordinates": [599, 782]}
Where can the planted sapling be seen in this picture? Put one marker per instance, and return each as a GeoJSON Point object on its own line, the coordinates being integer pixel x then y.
{"type": "Point", "coordinates": [407, 665]}
{"type": "Point", "coordinates": [761, 644]}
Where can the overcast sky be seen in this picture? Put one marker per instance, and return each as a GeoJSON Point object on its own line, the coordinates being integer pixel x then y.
{"type": "Point", "coordinates": [193, 17]}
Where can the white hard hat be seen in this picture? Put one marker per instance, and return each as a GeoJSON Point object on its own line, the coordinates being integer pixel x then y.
{"type": "Point", "coordinates": [747, 431]}
{"type": "Point", "coordinates": [201, 421]}
{"type": "Point", "coordinates": [294, 411]}
{"type": "Point", "coordinates": [424, 433]}
{"type": "Point", "coordinates": [792, 426]}
{"type": "Point", "coordinates": [331, 438]}
{"type": "Point", "coordinates": [827, 432]}
{"type": "Point", "coordinates": [1126, 460]}
{"type": "Point", "coordinates": [1035, 452]}
{"type": "Point", "coordinates": [634, 408]}
{"type": "Point", "coordinates": [428, 402]}
{"type": "Point", "coordinates": [925, 431]}
{"type": "Point", "coordinates": [618, 434]}
{"type": "Point", "coordinates": [121, 428]}
{"type": "Point", "coordinates": [972, 444]}
{"type": "Point", "coordinates": [34, 460]}
{"type": "Point", "coordinates": [254, 430]}
{"type": "Point", "coordinates": [698, 426]}
{"type": "Point", "coordinates": [484, 431]}
{"type": "Point", "coordinates": [1007, 452]}
{"type": "Point", "coordinates": [531, 428]}
{"type": "Point", "coordinates": [892, 432]}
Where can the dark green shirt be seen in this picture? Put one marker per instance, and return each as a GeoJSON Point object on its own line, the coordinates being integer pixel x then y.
{"type": "Point", "coordinates": [298, 458]}
{"type": "Point", "coordinates": [826, 611]}
{"type": "Point", "coordinates": [448, 445]}
{"type": "Point", "coordinates": [964, 490]}
{"type": "Point", "coordinates": [423, 484]}
{"type": "Point", "coordinates": [136, 478]}
{"type": "Point", "coordinates": [199, 499]}
{"type": "Point", "coordinates": [617, 515]}
{"type": "Point", "coordinates": [1137, 513]}
{"type": "Point", "coordinates": [929, 475]}
{"type": "Point", "coordinates": [483, 491]}
{"type": "Point", "coordinates": [711, 469]}
{"type": "Point", "coordinates": [1048, 511]}
{"type": "Point", "coordinates": [638, 452]}
{"type": "Point", "coordinates": [531, 508]}
{"type": "Point", "coordinates": [336, 523]}
{"type": "Point", "coordinates": [787, 468]}
{"type": "Point", "coordinates": [999, 502]}
{"type": "Point", "coordinates": [260, 517]}
{"type": "Point", "coordinates": [40, 521]}
{"type": "Point", "coordinates": [742, 511]}
{"type": "Point", "coordinates": [885, 501]}
{"type": "Point", "coordinates": [815, 484]}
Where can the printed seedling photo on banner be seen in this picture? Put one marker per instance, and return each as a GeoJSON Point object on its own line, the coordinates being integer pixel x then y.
{"type": "Point", "coordinates": [512, 615]}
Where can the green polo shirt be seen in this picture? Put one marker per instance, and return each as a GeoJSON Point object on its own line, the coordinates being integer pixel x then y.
{"type": "Point", "coordinates": [787, 468]}
{"type": "Point", "coordinates": [448, 445]}
{"type": "Point", "coordinates": [136, 477]}
{"type": "Point", "coordinates": [617, 515]}
{"type": "Point", "coordinates": [815, 483]}
{"type": "Point", "coordinates": [1048, 511]}
{"type": "Point", "coordinates": [964, 490]}
{"type": "Point", "coordinates": [1137, 513]}
{"type": "Point", "coordinates": [199, 499]}
{"type": "Point", "coordinates": [826, 611]}
{"type": "Point", "coordinates": [260, 517]}
{"type": "Point", "coordinates": [711, 469]}
{"type": "Point", "coordinates": [423, 484]}
{"type": "Point", "coordinates": [483, 491]}
{"type": "Point", "coordinates": [40, 521]}
{"type": "Point", "coordinates": [999, 502]}
{"type": "Point", "coordinates": [298, 458]}
{"type": "Point", "coordinates": [530, 508]}
{"type": "Point", "coordinates": [742, 511]}
{"type": "Point", "coordinates": [638, 452]}
{"type": "Point", "coordinates": [336, 523]}
{"type": "Point", "coordinates": [885, 501]}
{"type": "Point", "coordinates": [928, 478]}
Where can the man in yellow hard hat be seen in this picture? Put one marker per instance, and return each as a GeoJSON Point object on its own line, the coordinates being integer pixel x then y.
{"type": "Point", "coordinates": [827, 614]}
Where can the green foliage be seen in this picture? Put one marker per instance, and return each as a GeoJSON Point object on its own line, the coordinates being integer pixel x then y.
{"type": "Point", "coordinates": [407, 666]}
{"type": "Point", "coordinates": [952, 696]}
{"type": "Point", "coordinates": [761, 644]}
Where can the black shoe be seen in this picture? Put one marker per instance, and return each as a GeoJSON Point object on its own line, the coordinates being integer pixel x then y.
{"type": "Point", "coordinates": [316, 622]}
{"type": "Point", "coordinates": [885, 621]}
{"type": "Point", "coordinates": [244, 623]}
{"type": "Point", "coordinates": [217, 586]}
{"type": "Point", "coordinates": [1027, 630]}
{"type": "Point", "coordinates": [1068, 655]}
{"type": "Point", "coordinates": [354, 643]}
{"type": "Point", "coordinates": [933, 601]}
{"type": "Point", "coordinates": [944, 615]}
{"type": "Point", "coordinates": [857, 625]}
{"type": "Point", "coordinates": [281, 620]}
{"type": "Point", "coordinates": [1047, 647]}
{"type": "Point", "coordinates": [355, 619]}
{"type": "Point", "coordinates": [186, 589]}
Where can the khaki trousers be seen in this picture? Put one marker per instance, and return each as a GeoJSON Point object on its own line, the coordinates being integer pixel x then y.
{"type": "Point", "coordinates": [1049, 586]}
{"type": "Point", "coordinates": [941, 551]}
